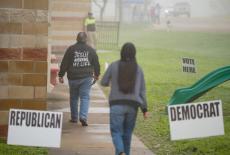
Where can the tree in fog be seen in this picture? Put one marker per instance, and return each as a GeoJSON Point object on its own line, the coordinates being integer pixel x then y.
{"type": "Point", "coordinates": [119, 8]}
{"type": "Point", "coordinates": [102, 5]}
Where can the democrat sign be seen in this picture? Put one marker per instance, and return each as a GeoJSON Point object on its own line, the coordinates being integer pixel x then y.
{"type": "Point", "coordinates": [34, 128]}
{"type": "Point", "coordinates": [194, 120]}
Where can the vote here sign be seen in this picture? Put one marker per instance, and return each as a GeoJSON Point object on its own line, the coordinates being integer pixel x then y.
{"type": "Point", "coordinates": [193, 120]}
{"type": "Point", "coordinates": [188, 65]}
{"type": "Point", "coordinates": [34, 128]}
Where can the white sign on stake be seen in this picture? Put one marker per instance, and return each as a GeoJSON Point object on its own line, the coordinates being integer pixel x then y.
{"type": "Point", "coordinates": [194, 120]}
{"type": "Point", "coordinates": [188, 65]}
{"type": "Point", "coordinates": [34, 128]}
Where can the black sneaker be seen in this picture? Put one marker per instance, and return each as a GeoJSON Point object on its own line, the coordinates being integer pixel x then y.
{"type": "Point", "coordinates": [73, 121]}
{"type": "Point", "coordinates": [83, 122]}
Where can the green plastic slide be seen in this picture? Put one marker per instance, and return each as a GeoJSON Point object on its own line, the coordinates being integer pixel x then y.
{"type": "Point", "coordinates": [211, 80]}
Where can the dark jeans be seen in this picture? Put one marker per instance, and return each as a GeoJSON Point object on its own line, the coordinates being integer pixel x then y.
{"type": "Point", "coordinates": [122, 123]}
{"type": "Point", "coordinates": [79, 89]}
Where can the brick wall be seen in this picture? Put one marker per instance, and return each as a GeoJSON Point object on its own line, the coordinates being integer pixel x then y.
{"type": "Point", "coordinates": [67, 18]}
{"type": "Point", "coordinates": [23, 56]}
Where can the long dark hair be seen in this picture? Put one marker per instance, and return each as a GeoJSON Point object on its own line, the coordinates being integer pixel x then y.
{"type": "Point", "coordinates": [127, 69]}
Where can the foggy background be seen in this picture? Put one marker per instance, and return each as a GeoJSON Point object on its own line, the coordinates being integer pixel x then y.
{"type": "Point", "coordinates": [205, 15]}
{"type": "Point", "coordinates": [199, 8]}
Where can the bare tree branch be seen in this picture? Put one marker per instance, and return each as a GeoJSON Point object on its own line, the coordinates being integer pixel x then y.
{"type": "Point", "coordinates": [102, 7]}
{"type": "Point", "coordinates": [97, 4]}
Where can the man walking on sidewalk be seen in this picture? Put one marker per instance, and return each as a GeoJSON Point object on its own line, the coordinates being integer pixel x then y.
{"type": "Point", "coordinates": [81, 64]}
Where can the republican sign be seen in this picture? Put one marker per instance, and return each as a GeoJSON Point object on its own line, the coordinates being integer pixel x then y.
{"type": "Point", "coordinates": [34, 128]}
{"type": "Point", "coordinates": [195, 120]}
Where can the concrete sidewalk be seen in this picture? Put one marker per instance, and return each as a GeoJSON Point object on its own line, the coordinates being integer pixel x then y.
{"type": "Point", "coordinates": [94, 139]}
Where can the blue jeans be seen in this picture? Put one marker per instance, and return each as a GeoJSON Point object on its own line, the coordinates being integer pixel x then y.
{"type": "Point", "coordinates": [122, 123]}
{"type": "Point", "coordinates": [79, 89]}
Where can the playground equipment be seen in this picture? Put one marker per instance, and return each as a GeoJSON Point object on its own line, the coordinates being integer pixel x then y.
{"type": "Point", "coordinates": [211, 80]}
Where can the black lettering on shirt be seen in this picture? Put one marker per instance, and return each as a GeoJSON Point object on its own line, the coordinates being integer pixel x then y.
{"type": "Point", "coordinates": [81, 59]}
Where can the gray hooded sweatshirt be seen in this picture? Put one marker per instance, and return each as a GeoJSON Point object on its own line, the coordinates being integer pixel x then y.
{"type": "Point", "coordinates": [138, 97]}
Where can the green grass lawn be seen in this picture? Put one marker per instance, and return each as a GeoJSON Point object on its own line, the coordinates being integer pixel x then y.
{"type": "Point", "coordinates": [20, 150]}
{"type": "Point", "coordinates": [160, 53]}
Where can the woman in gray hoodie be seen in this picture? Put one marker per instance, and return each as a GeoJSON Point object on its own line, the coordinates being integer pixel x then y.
{"type": "Point", "coordinates": [126, 95]}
